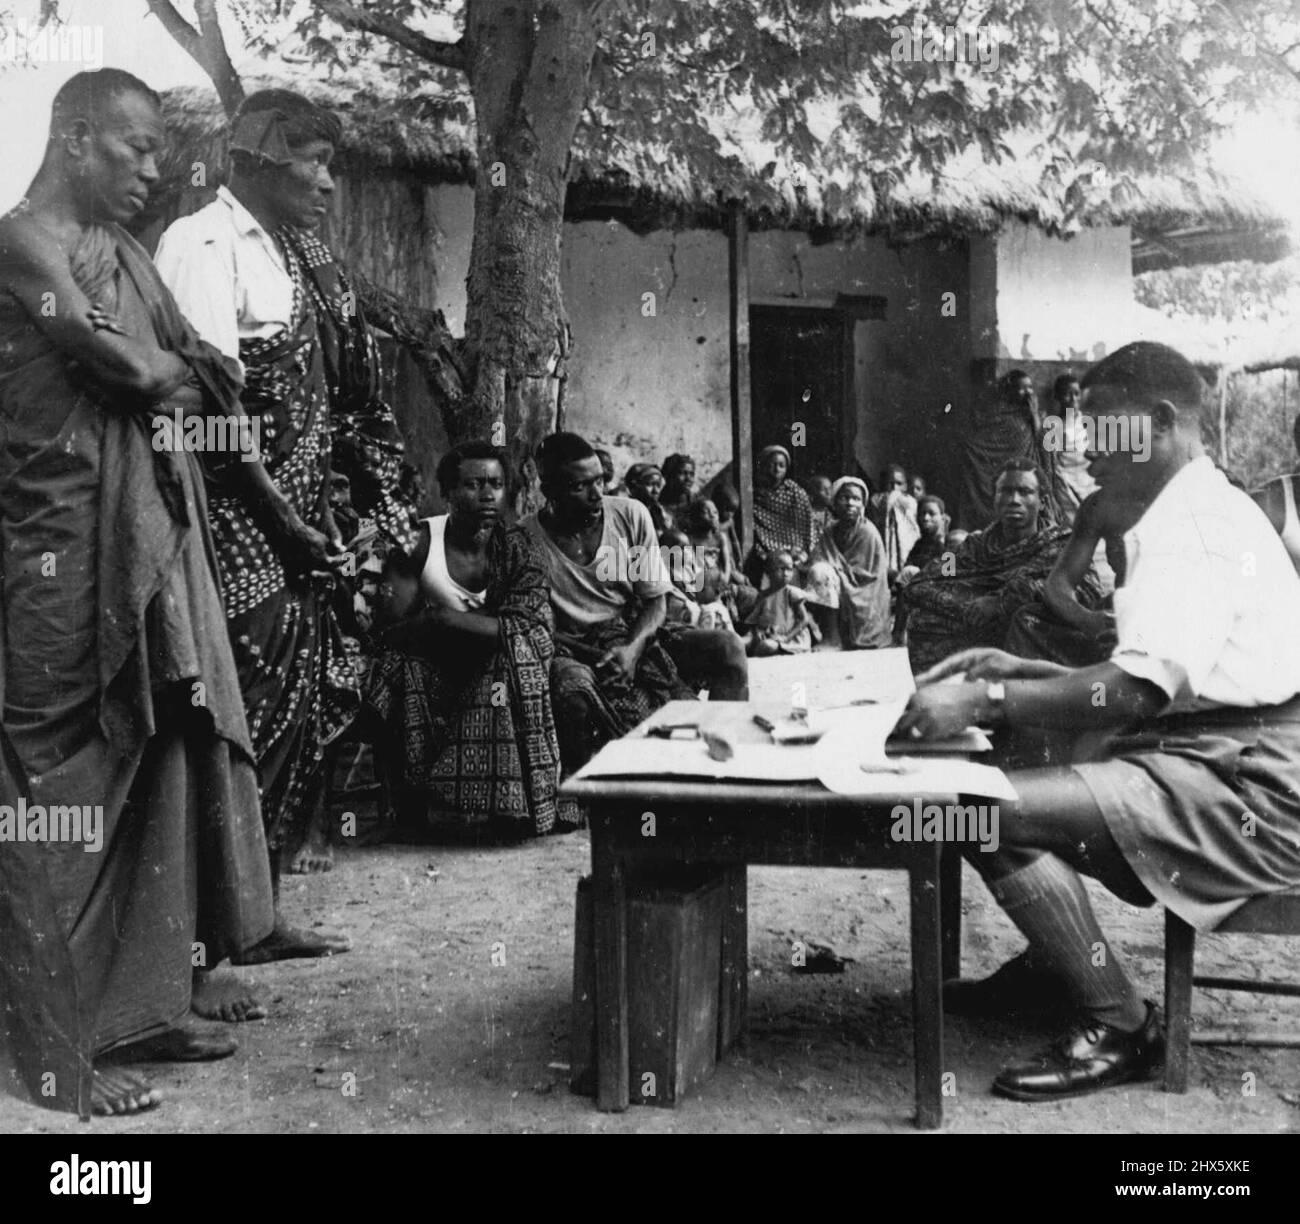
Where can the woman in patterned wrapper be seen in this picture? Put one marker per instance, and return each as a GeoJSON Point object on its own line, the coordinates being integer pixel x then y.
{"type": "Point", "coordinates": [783, 517]}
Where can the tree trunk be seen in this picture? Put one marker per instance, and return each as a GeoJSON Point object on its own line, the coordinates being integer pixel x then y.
{"type": "Point", "coordinates": [529, 64]}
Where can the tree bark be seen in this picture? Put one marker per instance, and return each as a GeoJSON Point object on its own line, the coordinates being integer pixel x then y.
{"type": "Point", "coordinates": [529, 64]}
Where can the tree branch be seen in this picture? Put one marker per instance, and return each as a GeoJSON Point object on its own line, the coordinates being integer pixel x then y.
{"type": "Point", "coordinates": [206, 46]}
{"type": "Point", "coordinates": [444, 54]}
{"type": "Point", "coordinates": [177, 27]}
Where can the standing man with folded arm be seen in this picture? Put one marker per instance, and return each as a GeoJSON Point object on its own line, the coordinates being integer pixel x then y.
{"type": "Point", "coordinates": [120, 694]}
{"type": "Point", "coordinates": [1194, 802]}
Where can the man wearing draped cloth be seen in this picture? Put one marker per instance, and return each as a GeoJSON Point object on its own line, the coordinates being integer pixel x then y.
{"type": "Point", "coordinates": [120, 692]}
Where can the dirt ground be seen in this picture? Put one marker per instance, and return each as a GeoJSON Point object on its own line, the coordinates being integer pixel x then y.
{"type": "Point", "coordinates": [417, 1030]}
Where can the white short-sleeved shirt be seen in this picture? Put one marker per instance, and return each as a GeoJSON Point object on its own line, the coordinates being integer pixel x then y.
{"type": "Point", "coordinates": [627, 565]}
{"type": "Point", "coordinates": [226, 274]}
{"type": "Point", "coordinates": [1210, 606]}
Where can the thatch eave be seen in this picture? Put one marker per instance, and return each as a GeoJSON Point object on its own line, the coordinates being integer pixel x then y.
{"type": "Point", "coordinates": [433, 144]}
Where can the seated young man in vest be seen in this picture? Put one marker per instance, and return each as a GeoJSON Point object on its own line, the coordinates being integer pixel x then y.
{"type": "Point", "coordinates": [1194, 802]}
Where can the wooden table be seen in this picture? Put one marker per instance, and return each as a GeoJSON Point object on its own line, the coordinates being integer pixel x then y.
{"type": "Point", "coordinates": [732, 824]}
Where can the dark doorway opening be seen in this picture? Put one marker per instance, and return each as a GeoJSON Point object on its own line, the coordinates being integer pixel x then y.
{"type": "Point", "coordinates": [801, 375]}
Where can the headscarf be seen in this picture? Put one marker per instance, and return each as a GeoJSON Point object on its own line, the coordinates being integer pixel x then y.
{"type": "Point", "coordinates": [638, 471]}
{"type": "Point", "coordinates": [776, 446]}
{"type": "Point", "coordinates": [264, 121]}
{"type": "Point", "coordinates": [860, 485]}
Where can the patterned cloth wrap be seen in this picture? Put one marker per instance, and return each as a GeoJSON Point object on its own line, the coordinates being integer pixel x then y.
{"type": "Point", "coordinates": [473, 730]}
{"type": "Point", "coordinates": [975, 605]}
{"type": "Point", "coordinates": [782, 519]}
{"type": "Point", "coordinates": [314, 387]}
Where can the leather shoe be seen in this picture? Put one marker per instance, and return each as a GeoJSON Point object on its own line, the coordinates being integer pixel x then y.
{"type": "Point", "coordinates": [1090, 1056]}
{"type": "Point", "coordinates": [1018, 987]}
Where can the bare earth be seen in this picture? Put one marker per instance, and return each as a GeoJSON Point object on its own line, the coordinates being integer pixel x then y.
{"type": "Point", "coordinates": [417, 1030]}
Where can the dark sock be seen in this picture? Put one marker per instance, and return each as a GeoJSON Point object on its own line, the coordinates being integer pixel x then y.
{"type": "Point", "coordinates": [1046, 899]}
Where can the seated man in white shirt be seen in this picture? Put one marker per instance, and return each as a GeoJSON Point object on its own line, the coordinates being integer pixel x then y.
{"type": "Point", "coordinates": [613, 667]}
{"type": "Point", "coordinates": [1194, 802]}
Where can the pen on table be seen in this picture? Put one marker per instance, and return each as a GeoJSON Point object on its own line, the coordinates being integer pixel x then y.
{"type": "Point", "coordinates": [889, 767]}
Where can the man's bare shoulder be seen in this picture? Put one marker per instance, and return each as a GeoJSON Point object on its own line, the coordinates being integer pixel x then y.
{"type": "Point", "coordinates": [25, 246]}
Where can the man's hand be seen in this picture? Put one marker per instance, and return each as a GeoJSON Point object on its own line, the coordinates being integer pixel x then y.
{"type": "Point", "coordinates": [301, 547]}
{"type": "Point", "coordinates": [619, 660]}
{"type": "Point", "coordinates": [338, 551]}
{"type": "Point", "coordinates": [942, 710]}
{"type": "Point", "coordinates": [986, 663]}
{"type": "Point", "coordinates": [103, 320]}
{"type": "Point", "coordinates": [978, 663]}
{"type": "Point", "coordinates": [1100, 624]}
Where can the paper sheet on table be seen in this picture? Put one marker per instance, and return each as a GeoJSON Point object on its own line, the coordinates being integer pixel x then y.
{"type": "Point", "coordinates": [835, 677]}
{"type": "Point", "coordinates": [755, 758]}
{"type": "Point", "coordinates": [919, 776]}
{"type": "Point", "coordinates": [854, 736]}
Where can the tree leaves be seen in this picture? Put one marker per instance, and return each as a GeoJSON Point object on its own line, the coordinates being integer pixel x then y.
{"type": "Point", "coordinates": [825, 103]}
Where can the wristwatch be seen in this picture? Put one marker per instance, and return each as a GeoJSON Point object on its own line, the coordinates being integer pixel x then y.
{"type": "Point", "coordinates": [995, 695]}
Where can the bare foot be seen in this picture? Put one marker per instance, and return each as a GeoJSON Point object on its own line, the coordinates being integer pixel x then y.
{"type": "Point", "coordinates": [287, 943]}
{"type": "Point", "coordinates": [176, 1045]}
{"type": "Point", "coordinates": [316, 856]}
{"type": "Point", "coordinates": [224, 998]}
{"type": "Point", "coordinates": [115, 1092]}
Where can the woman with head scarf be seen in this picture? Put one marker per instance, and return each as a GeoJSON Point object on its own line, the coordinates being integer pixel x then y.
{"type": "Point", "coordinates": [782, 514]}
{"type": "Point", "coordinates": [848, 581]}
{"type": "Point", "coordinates": [645, 483]}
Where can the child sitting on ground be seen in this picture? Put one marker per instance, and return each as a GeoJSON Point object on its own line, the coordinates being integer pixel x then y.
{"type": "Point", "coordinates": [718, 580]}
{"type": "Point", "coordinates": [726, 502]}
{"type": "Point", "coordinates": [779, 623]}
{"type": "Point", "coordinates": [818, 489]}
{"type": "Point", "coordinates": [932, 517]}
{"type": "Point", "coordinates": [893, 513]}
{"type": "Point", "coordinates": [683, 607]}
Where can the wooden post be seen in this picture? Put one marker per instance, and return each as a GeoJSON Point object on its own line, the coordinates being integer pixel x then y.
{"type": "Point", "coordinates": [742, 425]}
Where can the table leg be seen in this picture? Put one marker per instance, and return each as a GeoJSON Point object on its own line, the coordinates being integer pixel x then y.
{"type": "Point", "coordinates": [733, 993]}
{"type": "Point", "coordinates": [927, 986]}
{"type": "Point", "coordinates": [609, 914]}
{"type": "Point", "coordinates": [950, 909]}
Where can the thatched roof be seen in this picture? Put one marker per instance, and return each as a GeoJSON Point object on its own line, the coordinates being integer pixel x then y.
{"type": "Point", "coordinates": [1267, 344]}
{"type": "Point", "coordinates": [660, 188]}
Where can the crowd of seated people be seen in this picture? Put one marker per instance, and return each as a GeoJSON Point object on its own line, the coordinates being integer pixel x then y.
{"type": "Point", "coordinates": [650, 598]}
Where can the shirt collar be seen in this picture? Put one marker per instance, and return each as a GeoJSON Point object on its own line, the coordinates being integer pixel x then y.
{"type": "Point", "coordinates": [244, 220]}
{"type": "Point", "coordinates": [1194, 486]}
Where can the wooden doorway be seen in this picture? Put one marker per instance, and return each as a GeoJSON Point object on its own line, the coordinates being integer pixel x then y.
{"type": "Point", "coordinates": [801, 373]}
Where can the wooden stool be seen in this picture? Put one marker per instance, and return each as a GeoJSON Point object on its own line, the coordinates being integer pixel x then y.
{"type": "Point", "coordinates": [1275, 914]}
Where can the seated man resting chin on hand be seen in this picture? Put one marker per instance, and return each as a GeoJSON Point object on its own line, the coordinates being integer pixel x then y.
{"type": "Point", "coordinates": [1199, 699]}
